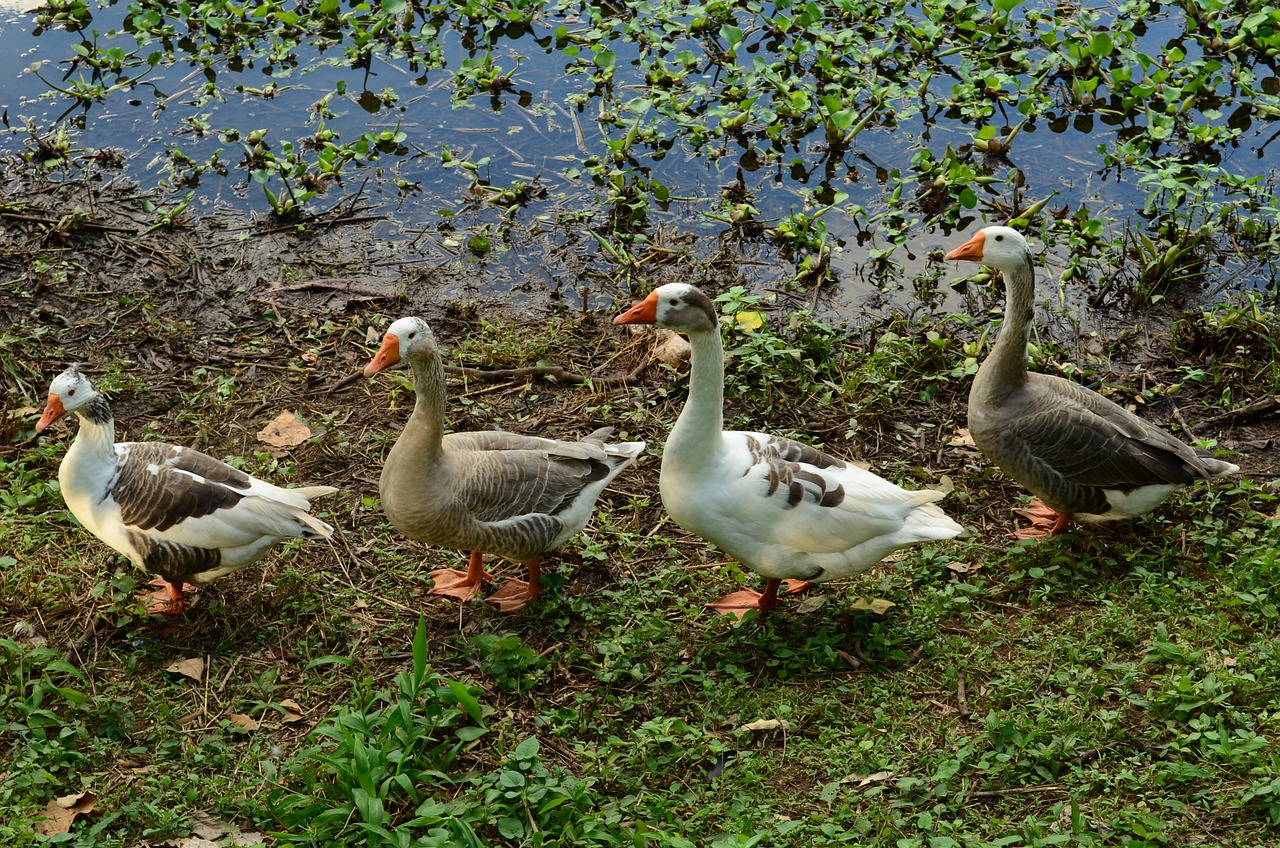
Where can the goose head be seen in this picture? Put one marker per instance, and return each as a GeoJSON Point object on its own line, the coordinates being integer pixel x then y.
{"type": "Point", "coordinates": [675, 306]}
{"type": "Point", "coordinates": [68, 392]}
{"type": "Point", "coordinates": [1002, 248]}
{"type": "Point", "coordinates": [407, 338]}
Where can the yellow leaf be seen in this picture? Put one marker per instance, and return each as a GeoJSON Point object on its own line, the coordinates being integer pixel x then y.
{"type": "Point", "coordinates": [879, 606]}
{"type": "Point", "coordinates": [749, 320]}
{"type": "Point", "coordinates": [286, 431]}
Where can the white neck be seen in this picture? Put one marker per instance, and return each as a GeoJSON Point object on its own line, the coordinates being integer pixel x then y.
{"type": "Point", "coordinates": [696, 436]}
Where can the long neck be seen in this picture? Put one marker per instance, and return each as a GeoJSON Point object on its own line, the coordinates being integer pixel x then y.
{"type": "Point", "coordinates": [423, 433]}
{"type": "Point", "coordinates": [697, 430]}
{"type": "Point", "coordinates": [95, 442]}
{"type": "Point", "coordinates": [1005, 369]}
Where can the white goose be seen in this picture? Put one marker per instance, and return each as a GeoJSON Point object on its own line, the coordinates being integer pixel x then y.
{"type": "Point", "coordinates": [1081, 454]}
{"type": "Point", "coordinates": [491, 492]}
{"type": "Point", "coordinates": [175, 512]}
{"type": "Point", "coordinates": [786, 510]}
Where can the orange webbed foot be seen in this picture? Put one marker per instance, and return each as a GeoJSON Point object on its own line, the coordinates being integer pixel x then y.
{"type": "Point", "coordinates": [512, 597]}
{"type": "Point", "coordinates": [1045, 521]}
{"type": "Point", "coordinates": [170, 599]}
{"type": "Point", "coordinates": [738, 604]}
{"type": "Point", "coordinates": [457, 584]}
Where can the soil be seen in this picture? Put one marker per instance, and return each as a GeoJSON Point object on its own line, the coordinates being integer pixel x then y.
{"type": "Point", "coordinates": [206, 330]}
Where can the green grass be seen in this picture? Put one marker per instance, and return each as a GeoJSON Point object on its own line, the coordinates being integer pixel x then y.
{"type": "Point", "coordinates": [1116, 687]}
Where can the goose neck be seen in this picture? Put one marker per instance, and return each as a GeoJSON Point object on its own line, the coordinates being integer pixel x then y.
{"type": "Point", "coordinates": [701, 421]}
{"type": "Point", "coordinates": [1006, 366]}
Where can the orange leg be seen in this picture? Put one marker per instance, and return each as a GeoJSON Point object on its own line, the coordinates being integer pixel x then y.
{"type": "Point", "coordinates": [739, 603]}
{"type": "Point", "coordinates": [170, 599]}
{"type": "Point", "coordinates": [460, 584]}
{"type": "Point", "coordinates": [516, 593]}
{"type": "Point", "coordinates": [1045, 521]}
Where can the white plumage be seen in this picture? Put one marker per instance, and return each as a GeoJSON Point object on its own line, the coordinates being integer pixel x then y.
{"type": "Point", "coordinates": [785, 509]}
{"type": "Point", "coordinates": [175, 512]}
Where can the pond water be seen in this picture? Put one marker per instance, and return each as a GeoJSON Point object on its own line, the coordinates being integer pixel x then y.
{"type": "Point", "coordinates": [543, 114]}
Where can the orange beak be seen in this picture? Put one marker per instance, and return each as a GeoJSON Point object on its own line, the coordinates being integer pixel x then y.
{"type": "Point", "coordinates": [644, 312]}
{"type": "Point", "coordinates": [971, 250]}
{"type": "Point", "coordinates": [387, 355]}
{"type": "Point", "coordinates": [53, 410]}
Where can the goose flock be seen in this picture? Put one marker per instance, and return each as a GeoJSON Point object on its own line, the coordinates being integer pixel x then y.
{"type": "Point", "coordinates": [786, 510]}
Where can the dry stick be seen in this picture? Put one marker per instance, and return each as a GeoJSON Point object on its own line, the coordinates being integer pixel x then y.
{"type": "Point", "coordinates": [89, 631]}
{"type": "Point", "coordinates": [960, 696]}
{"type": "Point", "coordinates": [1017, 790]}
{"type": "Point", "coordinates": [554, 372]}
{"type": "Point", "coordinates": [1257, 409]}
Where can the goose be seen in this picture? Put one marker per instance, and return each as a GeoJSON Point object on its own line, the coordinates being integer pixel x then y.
{"type": "Point", "coordinates": [1080, 454]}
{"type": "Point", "coordinates": [175, 512]}
{"type": "Point", "coordinates": [492, 492]}
{"type": "Point", "coordinates": [787, 511]}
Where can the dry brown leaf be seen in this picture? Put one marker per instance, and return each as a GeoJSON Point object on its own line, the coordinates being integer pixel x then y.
{"type": "Point", "coordinates": [293, 712]}
{"type": "Point", "coordinates": [811, 604]}
{"type": "Point", "coordinates": [670, 348]}
{"type": "Point", "coordinates": [964, 567]}
{"type": "Point", "coordinates": [207, 826]}
{"type": "Point", "coordinates": [286, 431]}
{"type": "Point", "coordinates": [245, 840]}
{"type": "Point", "coordinates": [192, 667]}
{"type": "Point", "coordinates": [766, 724]}
{"type": "Point", "coordinates": [61, 813]}
{"type": "Point", "coordinates": [879, 606]}
{"type": "Point", "coordinates": [22, 412]}
{"type": "Point", "coordinates": [242, 721]}
{"type": "Point", "coordinates": [198, 842]}
{"type": "Point", "coordinates": [877, 777]}
{"type": "Point", "coordinates": [961, 439]}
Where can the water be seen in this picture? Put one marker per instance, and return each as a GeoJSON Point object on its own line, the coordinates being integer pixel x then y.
{"type": "Point", "coordinates": [183, 127]}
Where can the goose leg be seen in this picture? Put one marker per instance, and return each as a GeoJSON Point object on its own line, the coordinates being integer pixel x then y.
{"type": "Point", "coordinates": [738, 603]}
{"type": "Point", "coordinates": [170, 599]}
{"type": "Point", "coordinates": [1045, 521]}
{"type": "Point", "coordinates": [460, 584]}
{"type": "Point", "coordinates": [516, 593]}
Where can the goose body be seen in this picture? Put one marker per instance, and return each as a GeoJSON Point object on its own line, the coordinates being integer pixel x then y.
{"type": "Point", "coordinates": [1082, 455]}
{"type": "Point", "coordinates": [786, 510]}
{"type": "Point", "coordinates": [498, 493]}
{"type": "Point", "coordinates": [176, 512]}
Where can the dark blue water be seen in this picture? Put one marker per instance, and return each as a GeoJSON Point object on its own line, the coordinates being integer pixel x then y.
{"type": "Point", "coordinates": [538, 131]}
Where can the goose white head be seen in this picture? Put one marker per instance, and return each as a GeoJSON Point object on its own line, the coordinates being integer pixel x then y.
{"type": "Point", "coordinates": [675, 306]}
{"type": "Point", "coordinates": [1002, 248]}
{"type": "Point", "coordinates": [68, 392]}
{"type": "Point", "coordinates": [403, 339]}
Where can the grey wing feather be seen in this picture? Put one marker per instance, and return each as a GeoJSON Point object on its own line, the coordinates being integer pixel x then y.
{"type": "Point", "coordinates": [158, 486]}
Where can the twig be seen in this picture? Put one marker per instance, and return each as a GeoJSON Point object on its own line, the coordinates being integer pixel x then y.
{"type": "Point", "coordinates": [1257, 409]}
{"type": "Point", "coordinates": [1017, 790]}
{"type": "Point", "coordinates": [960, 696]}
{"type": "Point", "coordinates": [90, 631]}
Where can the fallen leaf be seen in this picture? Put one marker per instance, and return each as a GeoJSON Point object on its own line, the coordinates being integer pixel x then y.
{"type": "Point", "coordinates": [811, 604]}
{"type": "Point", "coordinates": [766, 724]}
{"type": "Point", "coordinates": [360, 603]}
{"type": "Point", "coordinates": [749, 320]}
{"type": "Point", "coordinates": [61, 813]}
{"type": "Point", "coordinates": [207, 826]}
{"type": "Point", "coordinates": [242, 721]}
{"type": "Point", "coordinates": [22, 412]}
{"type": "Point", "coordinates": [671, 348]}
{"type": "Point", "coordinates": [961, 439]}
{"type": "Point", "coordinates": [877, 777]}
{"type": "Point", "coordinates": [192, 667]}
{"type": "Point", "coordinates": [247, 840]}
{"type": "Point", "coordinates": [286, 431]}
{"type": "Point", "coordinates": [879, 606]}
{"type": "Point", "coordinates": [964, 567]}
{"type": "Point", "coordinates": [293, 712]}
{"type": "Point", "coordinates": [372, 335]}
{"type": "Point", "coordinates": [198, 842]}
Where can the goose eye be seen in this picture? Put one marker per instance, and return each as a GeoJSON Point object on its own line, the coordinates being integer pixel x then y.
{"type": "Point", "coordinates": [675, 301]}
{"type": "Point", "coordinates": [71, 393]}
{"type": "Point", "coordinates": [999, 238]}
{"type": "Point", "coordinates": [411, 335]}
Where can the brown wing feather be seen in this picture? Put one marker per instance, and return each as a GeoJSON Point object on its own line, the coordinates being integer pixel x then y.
{"type": "Point", "coordinates": [158, 486]}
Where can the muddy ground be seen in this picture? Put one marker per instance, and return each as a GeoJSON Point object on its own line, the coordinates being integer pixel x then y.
{"type": "Point", "coordinates": [206, 330]}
